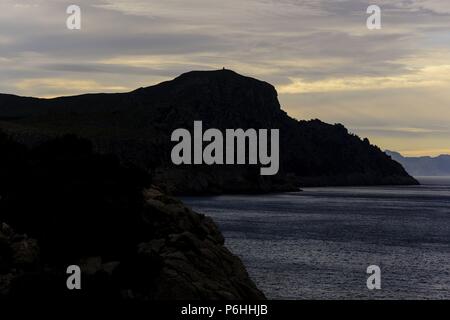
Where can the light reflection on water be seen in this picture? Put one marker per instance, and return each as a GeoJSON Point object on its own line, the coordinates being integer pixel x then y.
{"type": "Point", "coordinates": [318, 243]}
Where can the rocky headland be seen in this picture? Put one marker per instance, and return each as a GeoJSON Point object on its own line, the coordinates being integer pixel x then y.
{"type": "Point", "coordinates": [137, 127]}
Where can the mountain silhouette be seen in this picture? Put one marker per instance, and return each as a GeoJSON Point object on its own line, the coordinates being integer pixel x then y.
{"type": "Point", "coordinates": [137, 127]}
{"type": "Point", "coordinates": [424, 166]}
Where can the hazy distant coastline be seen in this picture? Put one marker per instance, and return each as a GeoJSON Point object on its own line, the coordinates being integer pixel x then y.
{"type": "Point", "coordinates": [423, 166]}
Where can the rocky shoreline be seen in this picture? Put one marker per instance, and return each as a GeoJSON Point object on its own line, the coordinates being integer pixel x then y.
{"type": "Point", "coordinates": [186, 259]}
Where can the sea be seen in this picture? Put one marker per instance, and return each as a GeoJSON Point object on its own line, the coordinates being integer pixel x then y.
{"type": "Point", "coordinates": [318, 243]}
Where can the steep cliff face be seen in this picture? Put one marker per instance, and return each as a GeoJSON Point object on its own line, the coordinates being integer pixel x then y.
{"type": "Point", "coordinates": [137, 127]}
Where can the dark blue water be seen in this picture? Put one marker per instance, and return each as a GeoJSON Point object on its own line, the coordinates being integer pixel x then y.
{"type": "Point", "coordinates": [317, 244]}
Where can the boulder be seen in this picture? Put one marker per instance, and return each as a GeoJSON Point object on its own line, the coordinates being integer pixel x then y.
{"type": "Point", "coordinates": [182, 257]}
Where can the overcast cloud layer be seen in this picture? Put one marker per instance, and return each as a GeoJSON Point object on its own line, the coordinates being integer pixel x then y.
{"type": "Point", "coordinates": [391, 85]}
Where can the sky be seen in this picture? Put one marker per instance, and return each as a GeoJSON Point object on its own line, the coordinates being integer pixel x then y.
{"type": "Point", "coordinates": [391, 85]}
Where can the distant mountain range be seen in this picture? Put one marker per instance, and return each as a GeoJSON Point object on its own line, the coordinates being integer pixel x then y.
{"type": "Point", "coordinates": [423, 166]}
{"type": "Point", "coordinates": [137, 127]}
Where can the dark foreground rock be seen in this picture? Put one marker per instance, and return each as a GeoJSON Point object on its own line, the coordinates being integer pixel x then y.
{"type": "Point", "coordinates": [185, 259]}
{"type": "Point", "coordinates": [62, 204]}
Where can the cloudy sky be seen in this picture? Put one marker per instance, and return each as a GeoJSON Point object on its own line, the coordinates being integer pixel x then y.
{"type": "Point", "coordinates": [391, 85]}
